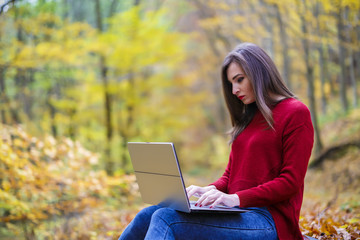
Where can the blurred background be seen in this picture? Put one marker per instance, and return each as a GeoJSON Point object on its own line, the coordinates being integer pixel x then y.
{"type": "Point", "coordinates": [81, 78]}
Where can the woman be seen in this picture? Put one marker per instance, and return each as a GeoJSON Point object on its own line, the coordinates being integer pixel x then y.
{"type": "Point", "coordinates": [271, 143]}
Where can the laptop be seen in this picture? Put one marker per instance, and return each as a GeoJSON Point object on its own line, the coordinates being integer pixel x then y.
{"type": "Point", "coordinates": [159, 177]}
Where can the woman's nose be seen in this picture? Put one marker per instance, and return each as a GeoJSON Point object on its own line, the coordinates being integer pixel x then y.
{"type": "Point", "coordinates": [235, 89]}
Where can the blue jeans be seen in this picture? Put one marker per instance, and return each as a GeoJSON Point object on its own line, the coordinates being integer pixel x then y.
{"type": "Point", "coordinates": [165, 223]}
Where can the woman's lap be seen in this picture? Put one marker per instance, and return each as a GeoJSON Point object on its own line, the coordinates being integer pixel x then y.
{"type": "Point", "coordinates": [166, 223]}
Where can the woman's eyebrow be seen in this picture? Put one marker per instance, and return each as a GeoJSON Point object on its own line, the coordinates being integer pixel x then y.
{"type": "Point", "coordinates": [239, 74]}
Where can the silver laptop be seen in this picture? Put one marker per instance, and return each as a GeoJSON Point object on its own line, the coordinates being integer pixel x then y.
{"type": "Point", "coordinates": [160, 180]}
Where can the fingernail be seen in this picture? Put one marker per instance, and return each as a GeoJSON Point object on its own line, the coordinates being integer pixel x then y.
{"type": "Point", "coordinates": [196, 204]}
{"type": "Point", "coordinates": [211, 206]}
{"type": "Point", "coordinates": [200, 205]}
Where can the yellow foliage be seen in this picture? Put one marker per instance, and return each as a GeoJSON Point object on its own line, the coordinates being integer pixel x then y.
{"type": "Point", "coordinates": [41, 178]}
{"type": "Point", "coordinates": [54, 42]}
{"type": "Point", "coordinates": [329, 6]}
{"type": "Point", "coordinates": [137, 43]}
{"type": "Point", "coordinates": [211, 22]}
{"type": "Point", "coordinates": [354, 4]}
{"type": "Point", "coordinates": [24, 58]}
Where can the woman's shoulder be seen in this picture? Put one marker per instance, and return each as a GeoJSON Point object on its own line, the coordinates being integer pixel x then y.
{"type": "Point", "coordinates": [291, 106]}
{"type": "Point", "coordinates": [291, 111]}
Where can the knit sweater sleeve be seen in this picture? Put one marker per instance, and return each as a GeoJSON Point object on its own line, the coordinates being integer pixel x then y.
{"type": "Point", "coordinates": [222, 183]}
{"type": "Point", "coordinates": [297, 138]}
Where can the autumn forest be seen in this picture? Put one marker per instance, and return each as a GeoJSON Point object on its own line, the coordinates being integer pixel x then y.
{"type": "Point", "coordinates": [81, 78]}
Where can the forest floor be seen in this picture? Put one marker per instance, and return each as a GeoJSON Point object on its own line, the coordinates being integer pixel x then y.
{"type": "Point", "coordinates": [331, 207]}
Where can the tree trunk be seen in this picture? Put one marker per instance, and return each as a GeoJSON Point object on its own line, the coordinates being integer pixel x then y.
{"type": "Point", "coordinates": [109, 163]}
{"type": "Point", "coordinates": [23, 77]}
{"type": "Point", "coordinates": [52, 111]}
{"type": "Point", "coordinates": [2, 93]}
{"type": "Point", "coordinates": [353, 79]}
{"type": "Point", "coordinates": [332, 79]}
{"type": "Point", "coordinates": [311, 96]}
{"type": "Point", "coordinates": [126, 130]}
{"type": "Point", "coordinates": [65, 11]}
{"type": "Point", "coordinates": [28, 97]}
{"type": "Point", "coordinates": [342, 54]}
{"type": "Point", "coordinates": [310, 79]}
{"type": "Point", "coordinates": [19, 76]}
{"type": "Point", "coordinates": [265, 19]}
{"type": "Point", "coordinates": [15, 119]}
{"type": "Point", "coordinates": [3, 97]}
{"type": "Point", "coordinates": [79, 10]}
{"type": "Point", "coordinates": [357, 54]}
{"type": "Point", "coordinates": [285, 48]}
{"type": "Point", "coordinates": [219, 112]}
{"type": "Point", "coordinates": [351, 59]}
{"type": "Point", "coordinates": [322, 59]}
{"type": "Point", "coordinates": [113, 6]}
{"type": "Point", "coordinates": [323, 77]}
{"type": "Point", "coordinates": [108, 120]}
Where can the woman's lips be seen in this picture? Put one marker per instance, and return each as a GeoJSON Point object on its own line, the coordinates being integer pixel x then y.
{"type": "Point", "coordinates": [241, 97]}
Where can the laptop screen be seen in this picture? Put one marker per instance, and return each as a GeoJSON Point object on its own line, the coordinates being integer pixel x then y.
{"type": "Point", "coordinates": [158, 174]}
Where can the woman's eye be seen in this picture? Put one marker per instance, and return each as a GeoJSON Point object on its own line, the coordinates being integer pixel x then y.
{"type": "Point", "coordinates": [240, 79]}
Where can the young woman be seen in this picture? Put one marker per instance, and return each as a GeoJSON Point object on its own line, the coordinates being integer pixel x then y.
{"type": "Point", "coordinates": [271, 143]}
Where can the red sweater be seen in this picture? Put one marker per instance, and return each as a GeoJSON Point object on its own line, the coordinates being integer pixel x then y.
{"type": "Point", "coordinates": [267, 167]}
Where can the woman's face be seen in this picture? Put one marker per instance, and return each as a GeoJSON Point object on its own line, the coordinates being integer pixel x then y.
{"type": "Point", "coordinates": [241, 85]}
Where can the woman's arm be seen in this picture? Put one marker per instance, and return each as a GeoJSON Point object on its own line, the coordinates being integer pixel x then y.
{"type": "Point", "coordinates": [297, 146]}
{"type": "Point", "coordinates": [222, 183]}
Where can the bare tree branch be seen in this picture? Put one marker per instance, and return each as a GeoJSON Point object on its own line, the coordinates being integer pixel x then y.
{"type": "Point", "coordinates": [2, 7]}
{"type": "Point", "coordinates": [333, 153]}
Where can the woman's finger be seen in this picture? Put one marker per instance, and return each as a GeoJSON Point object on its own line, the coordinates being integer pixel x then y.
{"type": "Point", "coordinates": [208, 197]}
{"type": "Point", "coordinates": [218, 201]}
{"type": "Point", "coordinates": [189, 189]}
{"type": "Point", "coordinates": [194, 191]}
{"type": "Point", "coordinates": [203, 197]}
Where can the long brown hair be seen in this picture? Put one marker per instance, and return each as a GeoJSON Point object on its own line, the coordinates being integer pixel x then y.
{"type": "Point", "coordinates": [265, 79]}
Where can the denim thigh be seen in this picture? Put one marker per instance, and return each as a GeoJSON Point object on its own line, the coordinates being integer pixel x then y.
{"type": "Point", "coordinates": [138, 227]}
{"type": "Point", "coordinates": [255, 224]}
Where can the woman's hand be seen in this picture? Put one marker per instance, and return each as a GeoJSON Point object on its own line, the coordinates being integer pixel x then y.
{"type": "Point", "coordinates": [215, 197]}
{"type": "Point", "coordinates": [211, 196]}
{"type": "Point", "coordinates": [197, 191]}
